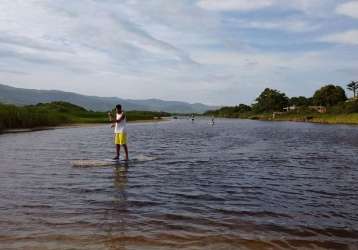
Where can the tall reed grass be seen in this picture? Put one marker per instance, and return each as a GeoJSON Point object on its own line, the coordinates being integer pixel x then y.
{"type": "Point", "coordinates": [58, 113]}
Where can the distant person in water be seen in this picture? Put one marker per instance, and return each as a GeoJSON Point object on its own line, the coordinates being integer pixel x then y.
{"type": "Point", "coordinates": [212, 120]}
{"type": "Point", "coordinates": [120, 132]}
{"type": "Point", "coordinates": [192, 118]}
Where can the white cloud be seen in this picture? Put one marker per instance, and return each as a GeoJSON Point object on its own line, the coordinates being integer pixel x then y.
{"type": "Point", "coordinates": [348, 9]}
{"type": "Point", "coordinates": [185, 50]}
{"type": "Point", "coordinates": [81, 34]}
{"type": "Point", "coordinates": [348, 37]}
{"type": "Point", "coordinates": [312, 7]}
{"type": "Point", "coordinates": [237, 5]}
{"type": "Point", "coordinates": [285, 25]}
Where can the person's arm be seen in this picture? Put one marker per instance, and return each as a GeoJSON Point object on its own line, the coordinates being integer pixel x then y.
{"type": "Point", "coordinates": [110, 118]}
{"type": "Point", "coordinates": [123, 116]}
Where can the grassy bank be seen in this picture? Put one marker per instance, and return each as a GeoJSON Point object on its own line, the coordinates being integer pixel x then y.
{"type": "Point", "coordinates": [59, 113]}
{"type": "Point", "coordinates": [315, 118]}
{"type": "Point", "coordinates": [342, 113]}
{"type": "Point", "coordinates": [296, 117]}
{"type": "Point", "coordinates": [329, 105]}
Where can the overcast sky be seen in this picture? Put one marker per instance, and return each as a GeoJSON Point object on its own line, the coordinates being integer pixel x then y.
{"type": "Point", "coordinates": [220, 52]}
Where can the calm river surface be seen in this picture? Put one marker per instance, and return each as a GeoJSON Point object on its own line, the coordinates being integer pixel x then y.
{"type": "Point", "coordinates": [237, 185]}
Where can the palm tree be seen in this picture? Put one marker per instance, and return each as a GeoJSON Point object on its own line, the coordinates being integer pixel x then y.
{"type": "Point", "coordinates": [353, 86]}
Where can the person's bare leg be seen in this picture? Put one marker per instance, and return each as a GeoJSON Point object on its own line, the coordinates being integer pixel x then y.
{"type": "Point", "coordinates": [126, 151]}
{"type": "Point", "coordinates": [118, 150]}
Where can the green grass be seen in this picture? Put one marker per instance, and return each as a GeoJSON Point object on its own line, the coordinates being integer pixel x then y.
{"type": "Point", "coordinates": [314, 117]}
{"type": "Point", "coordinates": [327, 118]}
{"type": "Point", "coordinates": [59, 113]}
{"type": "Point", "coordinates": [145, 115]}
{"type": "Point", "coordinates": [342, 113]}
{"type": "Point", "coordinates": [337, 119]}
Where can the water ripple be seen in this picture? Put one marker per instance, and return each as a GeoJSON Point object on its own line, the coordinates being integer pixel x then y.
{"type": "Point", "coordinates": [236, 185]}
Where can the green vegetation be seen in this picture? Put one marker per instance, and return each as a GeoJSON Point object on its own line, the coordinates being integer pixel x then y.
{"type": "Point", "coordinates": [241, 111]}
{"type": "Point", "coordinates": [29, 117]}
{"type": "Point", "coordinates": [145, 115]}
{"type": "Point", "coordinates": [326, 118]}
{"type": "Point", "coordinates": [329, 95]}
{"type": "Point", "coordinates": [329, 104]}
{"type": "Point", "coordinates": [270, 100]}
{"type": "Point", "coordinates": [59, 113]}
{"type": "Point", "coordinates": [300, 101]}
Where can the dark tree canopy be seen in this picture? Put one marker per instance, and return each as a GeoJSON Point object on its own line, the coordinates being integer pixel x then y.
{"type": "Point", "coordinates": [235, 111]}
{"type": "Point", "coordinates": [270, 100]}
{"type": "Point", "coordinates": [300, 101]}
{"type": "Point", "coordinates": [242, 108]}
{"type": "Point", "coordinates": [329, 95]}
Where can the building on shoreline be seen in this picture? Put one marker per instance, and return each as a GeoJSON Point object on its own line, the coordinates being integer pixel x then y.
{"type": "Point", "coordinates": [290, 108]}
{"type": "Point", "coordinates": [319, 109]}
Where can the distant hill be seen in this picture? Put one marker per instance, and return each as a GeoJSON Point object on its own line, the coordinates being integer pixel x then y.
{"type": "Point", "coordinates": [20, 96]}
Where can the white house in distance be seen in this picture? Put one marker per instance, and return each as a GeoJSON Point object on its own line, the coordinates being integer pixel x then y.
{"type": "Point", "coordinates": [290, 108]}
{"type": "Point", "coordinates": [320, 109]}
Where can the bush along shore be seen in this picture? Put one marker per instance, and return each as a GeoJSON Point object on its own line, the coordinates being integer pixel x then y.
{"type": "Point", "coordinates": [59, 113]}
{"type": "Point", "coordinates": [329, 105]}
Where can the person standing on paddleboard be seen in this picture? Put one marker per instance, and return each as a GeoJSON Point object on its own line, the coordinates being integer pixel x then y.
{"type": "Point", "coordinates": [120, 133]}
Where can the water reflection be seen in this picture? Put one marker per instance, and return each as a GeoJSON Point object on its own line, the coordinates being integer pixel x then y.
{"type": "Point", "coordinates": [116, 224]}
{"type": "Point", "coordinates": [120, 180]}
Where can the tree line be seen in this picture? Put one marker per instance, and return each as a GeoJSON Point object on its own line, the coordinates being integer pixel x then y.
{"type": "Point", "coordinates": [333, 97]}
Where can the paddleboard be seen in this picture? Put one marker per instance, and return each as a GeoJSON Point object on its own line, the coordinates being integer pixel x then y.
{"type": "Point", "coordinates": [109, 162]}
{"type": "Point", "coordinates": [96, 163]}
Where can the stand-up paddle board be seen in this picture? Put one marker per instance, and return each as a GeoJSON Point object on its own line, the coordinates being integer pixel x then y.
{"type": "Point", "coordinates": [96, 163]}
{"type": "Point", "coordinates": [109, 162]}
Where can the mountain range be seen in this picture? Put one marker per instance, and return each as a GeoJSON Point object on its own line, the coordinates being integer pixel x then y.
{"type": "Point", "coordinates": [21, 96]}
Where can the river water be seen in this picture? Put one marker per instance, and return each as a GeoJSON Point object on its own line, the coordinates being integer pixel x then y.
{"type": "Point", "coordinates": [236, 185]}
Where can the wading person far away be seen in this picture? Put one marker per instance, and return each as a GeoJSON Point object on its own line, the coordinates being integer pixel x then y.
{"type": "Point", "coordinates": [120, 133]}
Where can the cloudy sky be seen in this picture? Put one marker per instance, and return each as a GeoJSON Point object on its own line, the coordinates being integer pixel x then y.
{"type": "Point", "coordinates": [211, 51]}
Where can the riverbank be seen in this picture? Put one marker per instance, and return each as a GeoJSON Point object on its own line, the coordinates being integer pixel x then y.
{"type": "Point", "coordinates": [351, 119]}
{"type": "Point", "coordinates": [15, 119]}
{"type": "Point", "coordinates": [77, 125]}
